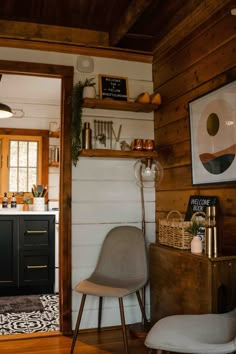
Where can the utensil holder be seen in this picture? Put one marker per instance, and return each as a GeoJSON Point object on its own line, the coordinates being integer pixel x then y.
{"type": "Point", "coordinates": [39, 204]}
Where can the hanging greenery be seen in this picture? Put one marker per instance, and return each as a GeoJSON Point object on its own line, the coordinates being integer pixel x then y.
{"type": "Point", "coordinates": [76, 124]}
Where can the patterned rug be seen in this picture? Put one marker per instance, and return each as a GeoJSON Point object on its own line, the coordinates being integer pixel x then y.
{"type": "Point", "coordinates": [43, 319]}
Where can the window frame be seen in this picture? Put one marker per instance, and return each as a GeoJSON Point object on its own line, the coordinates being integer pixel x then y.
{"type": "Point", "coordinates": [25, 134]}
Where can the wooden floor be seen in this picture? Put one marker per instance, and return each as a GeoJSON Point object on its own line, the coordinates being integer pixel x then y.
{"type": "Point", "coordinates": [106, 342]}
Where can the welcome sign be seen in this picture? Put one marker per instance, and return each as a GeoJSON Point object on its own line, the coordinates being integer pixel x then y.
{"type": "Point", "coordinates": [199, 204]}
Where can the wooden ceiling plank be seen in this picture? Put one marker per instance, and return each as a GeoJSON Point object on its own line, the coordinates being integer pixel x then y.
{"type": "Point", "coordinates": [198, 16]}
{"type": "Point", "coordinates": [133, 12]}
{"type": "Point", "coordinates": [56, 34]}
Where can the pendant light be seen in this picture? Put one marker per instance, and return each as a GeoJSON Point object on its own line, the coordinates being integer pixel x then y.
{"type": "Point", "coordinates": [5, 111]}
{"type": "Point", "coordinates": [148, 172]}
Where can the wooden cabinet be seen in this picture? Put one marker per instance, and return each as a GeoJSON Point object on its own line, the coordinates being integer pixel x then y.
{"type": "Point", "coordinates": [29, 258]}
{"type": "Point", "coordinates": [184, 283]}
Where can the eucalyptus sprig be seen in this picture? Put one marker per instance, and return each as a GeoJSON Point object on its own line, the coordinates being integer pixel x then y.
{"type": "Point", "coordinates": [27, 200]}
{"type": "Point", "coordinates": [76, 124]}
{"type": "Point", "coordinates": [194, 228]}
{"type": "Point", "coordinates": [89, 82]}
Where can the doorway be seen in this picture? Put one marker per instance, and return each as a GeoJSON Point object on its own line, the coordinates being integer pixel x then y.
{"type": "Point", "coordinates": [65, 73]}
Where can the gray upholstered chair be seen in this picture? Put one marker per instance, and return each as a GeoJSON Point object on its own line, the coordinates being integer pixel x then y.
{"type": "Point", "coordinates": [199, 334]}
{"type": "Point", "coordinates": [121, 270]}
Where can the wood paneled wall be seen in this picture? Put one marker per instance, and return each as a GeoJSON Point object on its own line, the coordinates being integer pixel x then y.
{"type": "Point", "coordinates": [201, 63]}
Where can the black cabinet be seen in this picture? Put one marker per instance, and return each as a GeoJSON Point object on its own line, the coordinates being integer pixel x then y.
{"type": "Point", "coordinates": [9, 236]}
{"type": "Point", "coordinates": [28, 265]}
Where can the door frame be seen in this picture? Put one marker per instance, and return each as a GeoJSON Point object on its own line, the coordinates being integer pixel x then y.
{"type": "Point", "coordinates": [65, 73]}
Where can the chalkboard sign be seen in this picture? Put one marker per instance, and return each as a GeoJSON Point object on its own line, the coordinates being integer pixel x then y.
{"type": "Point", "coordinates": [199, 203]}
{"type": "Point", "coordinates": [113, 87]}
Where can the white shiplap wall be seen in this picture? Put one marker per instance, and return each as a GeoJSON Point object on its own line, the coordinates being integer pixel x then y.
{"type": "Point", "coordinates": [36, 115]}
{"type": "Point", "coordinates": [104, 191]}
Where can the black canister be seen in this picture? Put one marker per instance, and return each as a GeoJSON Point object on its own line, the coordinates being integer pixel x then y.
{"type": "Point", "coordinates": [87, 136]}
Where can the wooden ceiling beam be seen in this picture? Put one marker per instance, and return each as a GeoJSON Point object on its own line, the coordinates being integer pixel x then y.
{"type": "Point", "coordinates": [131, 15]}
{"type": "Point", "coordinates": [55, 34]}
{"type": "Point", "coordinates": [190, 23]}
{"type": "Point", "coordinates": [103, 52]}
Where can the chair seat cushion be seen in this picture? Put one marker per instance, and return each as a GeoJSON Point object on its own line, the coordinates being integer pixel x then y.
{"type": "Point", "coordinates": [208, 333]}
{"type": "Point", "coordinates": [102, 286]}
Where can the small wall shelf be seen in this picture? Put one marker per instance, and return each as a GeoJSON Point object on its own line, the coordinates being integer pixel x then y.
{"type": "Point", "coordinates": [54, 134]}
{"type": "Point", "coordinates": [54, 164]}
{"type": "Point", "coordinates": [117, 153]}
{"type": "Point", "coordinates": [119, 105]}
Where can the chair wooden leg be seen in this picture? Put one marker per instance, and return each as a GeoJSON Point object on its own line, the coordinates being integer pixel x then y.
{"type": "Point", "coordinates": [141, 307]}
{"type": "Point", "coordinates": [100, 313]}
{"type": "Point", "coordinates": [76, 331]}
{"type": "Point", "coordinates": [122, 316]}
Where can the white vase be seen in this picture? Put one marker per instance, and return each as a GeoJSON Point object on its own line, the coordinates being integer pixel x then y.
{"type": "Point", "coordinates": [196, 245]}
{"type": "Point", "coordinates": [39, 204]}
{"type": "Point", "coordinates": [89, 92]}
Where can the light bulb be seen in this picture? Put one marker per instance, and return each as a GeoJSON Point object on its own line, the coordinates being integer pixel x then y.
{"type": "Point", "coordinates": [147, 172]}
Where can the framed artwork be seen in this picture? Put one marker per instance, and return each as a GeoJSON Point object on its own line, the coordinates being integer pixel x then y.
{"type": "Point", "coordinates": [213, 136]}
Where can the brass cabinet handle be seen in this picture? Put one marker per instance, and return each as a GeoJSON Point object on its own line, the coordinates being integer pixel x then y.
{"type": "Point", "coordinates": [34, 232]}
{"type": "Point", "coordinates": [36, 266]}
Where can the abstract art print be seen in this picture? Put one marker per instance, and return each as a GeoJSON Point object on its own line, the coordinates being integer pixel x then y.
{"type": "Point", "coordinates": [213, 136]}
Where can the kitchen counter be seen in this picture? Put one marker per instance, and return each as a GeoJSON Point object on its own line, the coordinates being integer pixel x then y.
{"type": "Point", "coordinates": [20, 212]}
{"type": "Point", "coordinates": [11, 211]}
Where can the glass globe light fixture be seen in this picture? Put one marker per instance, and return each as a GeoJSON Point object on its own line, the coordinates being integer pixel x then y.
{"type": "Point", "coordinates": [148, 172]}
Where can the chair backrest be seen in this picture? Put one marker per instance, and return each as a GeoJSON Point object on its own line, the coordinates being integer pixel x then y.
{"type": "Point", "coordinates": [124, 256]}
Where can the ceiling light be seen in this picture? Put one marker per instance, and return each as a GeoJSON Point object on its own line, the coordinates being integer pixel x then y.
{"type": "Point", "coordinates": [233, 11]}
{"type": "Point", "coordinates": [5, 111]}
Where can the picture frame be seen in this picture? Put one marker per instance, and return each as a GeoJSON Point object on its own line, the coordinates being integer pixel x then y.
{"type": "Point", "coordinates": [213, 136]}
{"type": "Point", "coordinates": [113, 87]}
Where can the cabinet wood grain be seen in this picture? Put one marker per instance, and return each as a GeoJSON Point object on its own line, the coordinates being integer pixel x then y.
{"type": "Point", "coordinates": [184, 283]}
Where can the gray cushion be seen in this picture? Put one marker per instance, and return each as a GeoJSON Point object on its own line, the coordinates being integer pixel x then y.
{"type": "Point", "coordinates": [207, 333]}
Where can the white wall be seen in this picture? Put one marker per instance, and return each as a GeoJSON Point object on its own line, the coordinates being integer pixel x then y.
{"type": "Point", "coordinates": [33, 109]}
{"type": "Point", "coordinates": [104, 191]}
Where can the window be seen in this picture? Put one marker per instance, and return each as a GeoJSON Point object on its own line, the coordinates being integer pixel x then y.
{"type": "Point", "coordinates": [24, 160]}
{"type": "Point", "coordinates": [23, 164]}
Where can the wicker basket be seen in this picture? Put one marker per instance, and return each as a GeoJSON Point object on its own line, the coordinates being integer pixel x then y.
{"type": "Point", "coordinates": [172, 231]}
